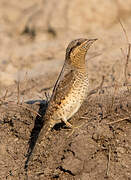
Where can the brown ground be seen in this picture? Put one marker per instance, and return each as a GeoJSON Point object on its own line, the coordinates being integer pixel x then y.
{"type": "Point", "coordinates": [33, 37]}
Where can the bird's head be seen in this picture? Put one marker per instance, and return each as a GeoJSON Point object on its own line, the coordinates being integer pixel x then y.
{"type": "Point", "coordinates": [76, 51]}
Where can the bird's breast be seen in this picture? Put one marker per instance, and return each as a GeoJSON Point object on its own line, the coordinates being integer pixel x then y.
{"type": "Point", "coordinates": [73, 100]}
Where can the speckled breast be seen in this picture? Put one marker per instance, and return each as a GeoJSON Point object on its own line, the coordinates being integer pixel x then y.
{"type": "Point", "coordinates": [72, 102]}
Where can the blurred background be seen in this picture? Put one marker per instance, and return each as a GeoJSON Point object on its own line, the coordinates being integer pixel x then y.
{"type": "Point", "coordinates": [35, 33]}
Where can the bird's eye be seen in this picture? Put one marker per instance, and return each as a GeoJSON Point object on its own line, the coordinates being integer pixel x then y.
{"type": "Point", "coordinates": [72, 48]}
{"type": "Point", "coordinates": [78, 43]}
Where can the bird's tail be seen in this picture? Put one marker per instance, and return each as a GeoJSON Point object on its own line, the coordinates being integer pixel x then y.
{"type": "Point", "coordinates": [39, 141]}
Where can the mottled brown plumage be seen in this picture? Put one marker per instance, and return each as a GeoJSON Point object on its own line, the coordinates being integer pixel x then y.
{"type": "Point", "coordinates": [71, 88]}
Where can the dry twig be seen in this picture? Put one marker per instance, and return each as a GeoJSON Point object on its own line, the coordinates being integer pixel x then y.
{"type": "Point", "coordinates": [20, 105]}
{"type": "Point", "coordinates": [96, 89]}
{"type": "Point", "coordinates": [123, 119]}
{"type": "Point", "coordinates": [126, 64]}
{"type": "Point", "coordinates": [18, 92]}
{"type": "Point", "coordinates": [128, 53]}
{"type": "Point", "coordinates": [108, 163]}
{"type": "Point", "coordinates": [124, 30]}
{"type": "Point", "coordinates": [30, 109]}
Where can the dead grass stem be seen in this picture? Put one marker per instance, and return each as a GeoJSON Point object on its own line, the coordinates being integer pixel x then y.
{"type": "Point", "coordinates": [127, 57]}
{"type": "Point", "coordinates": [123, 119]}
{"type": "Point", "coordinates": [108, 163]}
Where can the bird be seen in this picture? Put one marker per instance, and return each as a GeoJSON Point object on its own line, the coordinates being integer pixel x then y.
{"type": "Point", "coordinates": [70, 89]}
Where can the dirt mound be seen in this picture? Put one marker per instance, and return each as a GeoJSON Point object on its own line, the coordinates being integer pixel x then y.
{"type": "Point", "coordinates": [98, 149]}
{"type": "Point", "coordinates": [34, 34]}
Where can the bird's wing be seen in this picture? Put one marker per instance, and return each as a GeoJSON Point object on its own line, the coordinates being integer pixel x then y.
{"type": "Point", "coordinates": [63, 83]}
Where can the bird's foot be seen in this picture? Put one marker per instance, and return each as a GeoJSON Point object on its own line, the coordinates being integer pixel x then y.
{"type": "Point", "coordinates": [73, 129]}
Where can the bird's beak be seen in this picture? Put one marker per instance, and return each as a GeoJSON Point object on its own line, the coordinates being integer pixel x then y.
{"type": "Point", "coordinates": [88, 43]}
